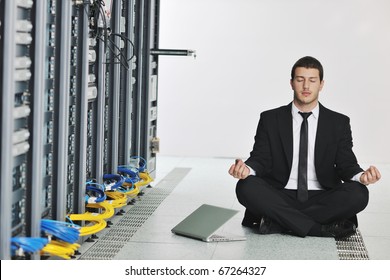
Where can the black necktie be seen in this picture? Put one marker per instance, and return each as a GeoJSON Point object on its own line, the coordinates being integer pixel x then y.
{"type": "Point", "coordinates": [302, 164]}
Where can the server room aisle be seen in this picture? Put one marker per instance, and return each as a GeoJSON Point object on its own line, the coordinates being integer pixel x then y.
{"type": "Point", "coordinates": [183, 184]}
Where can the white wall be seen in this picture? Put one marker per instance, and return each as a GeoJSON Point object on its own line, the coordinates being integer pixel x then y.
{"type": "Point", "coordinates": [209, 106]}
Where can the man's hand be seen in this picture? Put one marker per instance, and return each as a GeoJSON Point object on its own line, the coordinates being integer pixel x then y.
{"type": "Point", "coordinates": [239, 170]}
{"type": "Point", "coordinates": [370, 176]}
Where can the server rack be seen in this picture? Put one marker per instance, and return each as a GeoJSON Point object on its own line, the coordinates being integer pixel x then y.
{"type": "Point", "coordinates": [78, 99]}
{"type": "Point", "coordinates": [144, 115]}
{"type": "Point", "coordinates": [68, 83]}
{"type": "Point", "coordinates": [16, 46]}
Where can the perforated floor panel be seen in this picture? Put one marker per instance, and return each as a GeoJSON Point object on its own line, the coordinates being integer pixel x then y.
{"type": "Point", "coordinates": [110, 241]}
{"type": "Point", "coordinates": [352, 248]}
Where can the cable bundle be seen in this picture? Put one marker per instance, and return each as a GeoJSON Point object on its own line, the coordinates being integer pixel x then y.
{"type": "Point", "coordinates": [97, 190]}
{"type": "Point", "coordinates": [113, 181]}
{"type": "Point", "coordinates": [145, 179]}
{"type": "Point", "coordinates": [98, 224]}
{"type": "Point", "coordinates": [117, 199]}
{"type": "Point", "coordinates": [141, 163]}
{"type": "Point", "coordinates": [131, 174]}
{"type": "Point", "coordinates": [108, 210]}
{"type": "Point", "coordinates": [62, 230]}
{"type": "Point", "coordinates": [29, 245]}
{"type": "Point", "coordinates": [61, 249]}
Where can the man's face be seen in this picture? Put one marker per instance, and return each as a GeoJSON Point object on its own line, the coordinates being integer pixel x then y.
{"type": "Point", "coordinates": [306, 86]}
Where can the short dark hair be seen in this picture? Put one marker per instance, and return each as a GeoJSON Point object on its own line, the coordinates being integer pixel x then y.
{"type": "Point", "coordinates": [308, 62]}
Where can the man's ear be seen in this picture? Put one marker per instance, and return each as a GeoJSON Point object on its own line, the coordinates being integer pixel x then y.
{"type": "Point", "coordinates": [322, 84]}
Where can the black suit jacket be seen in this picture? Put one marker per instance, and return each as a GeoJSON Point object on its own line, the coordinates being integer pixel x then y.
{"type": "Point", "coordinates": [272, 152]}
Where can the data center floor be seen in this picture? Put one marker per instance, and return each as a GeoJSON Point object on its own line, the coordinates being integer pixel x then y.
{"type": "Point", "coordinates": [183, 184]}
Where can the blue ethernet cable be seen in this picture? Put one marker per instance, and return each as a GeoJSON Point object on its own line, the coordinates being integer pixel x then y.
{"type": "Point", "coordinates": [97, 190]}
{"type": "Point", "coordinates": [29, 245]}
{"type": "Point", "coordinates": [142, 163]}
{"type": "Point", "coordinates": [113, 181]}
{"type": "Point", "coordinates": [62, 230]}
{"type": "Point", "coordinates": [130, 173]}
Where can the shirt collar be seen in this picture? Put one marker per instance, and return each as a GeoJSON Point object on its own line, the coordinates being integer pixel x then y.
{"type": "Point", "coordinates": [295, 111]}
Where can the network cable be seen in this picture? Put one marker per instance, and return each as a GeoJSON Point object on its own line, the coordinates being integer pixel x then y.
{"type": "Point", "coordinates": [112, 181]}
{"type": "Point", "coordinates": [62, 230]}
{"type": "Point", "coordinates": [61, 249]}
{"type": "Point", "coordinates": [118, 199]}
{"type": "Point", "coordinates": [29, 245]}
{"type": "Point", "coordinates": [146, 179]}
{"type": "Point", "coordinates": [130, 172]}
{"type": "Point", "coordinates": [133, 190]}
{"type": "Point", "coordinates": [142, 163]}
{"type": "Point", "coordinates": [108, 209]}
{"type": "Point", "coordinates": [97, 224]}
{"type": "Point", "coordinates": [97, 190]}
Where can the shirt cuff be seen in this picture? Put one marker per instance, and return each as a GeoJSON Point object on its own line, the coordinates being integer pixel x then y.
{"type": "Point", "coordinates": [357, 177]}
{"type": "Point", "coordinates": [251, 171]}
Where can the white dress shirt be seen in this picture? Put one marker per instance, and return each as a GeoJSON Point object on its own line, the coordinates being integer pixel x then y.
{"type": "Point", "coordinates": [312, 181]}
{"type": "Point", "coordinates": [312, 120]}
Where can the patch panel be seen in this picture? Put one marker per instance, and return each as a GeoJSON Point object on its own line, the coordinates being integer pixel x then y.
{"type": "Point", "coordinates": [18, 216]}
{"type": "Point", "coordinates": [19, 177]}
{"type": "Point", "coordinates": [46, 202]}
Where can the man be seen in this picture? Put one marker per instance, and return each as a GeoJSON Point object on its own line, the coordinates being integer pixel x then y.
{"type": "Point", "coordinates": [302, 176]}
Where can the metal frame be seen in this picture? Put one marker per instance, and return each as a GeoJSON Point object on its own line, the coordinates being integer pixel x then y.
{"type": "Point", "coordinates": [83, 111]}
{"type": "Point", "coordinates": [101, 86]}
{"type": "Point", "coordinates": [35, 191]}
{"type": "Point", "coordinates": [137, 97]}
{"type": "Point", "coordinates": [127, 87]}
{"type": "Point", "coordinates": [115, 87]}
{"type": "Point", "coordinates": [62, 110]}
{"type": "Point", "coordinates": [7, 126]}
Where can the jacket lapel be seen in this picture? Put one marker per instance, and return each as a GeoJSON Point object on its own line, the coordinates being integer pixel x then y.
{"type": "Point", "coordinates": [324, 128]}
{"type": "Point", "coordinates": [286, 132]}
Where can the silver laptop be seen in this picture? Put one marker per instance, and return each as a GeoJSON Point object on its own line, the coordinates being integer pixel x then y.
{"type": "Point", "coordinates": [204, 222]}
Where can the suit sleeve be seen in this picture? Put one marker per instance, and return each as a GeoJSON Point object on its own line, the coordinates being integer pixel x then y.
{"type": "Point", "coordinates": [346, 163]}
{"type": "Point", "coordinates": [260, 157]}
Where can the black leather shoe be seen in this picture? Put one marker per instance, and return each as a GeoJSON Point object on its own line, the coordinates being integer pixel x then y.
{"type": "Point", "coordinates": [268, 226]}
{"type": "Point", "coordinates": [250, 220]}
{"type": "Point", "coordinates": [339, 229]}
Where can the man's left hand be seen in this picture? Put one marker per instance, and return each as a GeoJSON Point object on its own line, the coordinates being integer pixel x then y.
{"type": "Point", "coordinates": [370, 176]}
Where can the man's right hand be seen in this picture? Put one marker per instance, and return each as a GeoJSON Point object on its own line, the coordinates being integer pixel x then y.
{"type": "Point", "coordinates": [239, 170]}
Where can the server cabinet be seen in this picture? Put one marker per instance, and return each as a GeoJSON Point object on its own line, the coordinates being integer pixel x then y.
{"type": "Point", "coordinates": [78, 99]}
{"type": "Point", "coordinates": [144, 127]}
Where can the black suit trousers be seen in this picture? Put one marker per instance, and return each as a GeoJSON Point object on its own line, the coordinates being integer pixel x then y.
{"type": "Point", "coordinates": [343, 201]}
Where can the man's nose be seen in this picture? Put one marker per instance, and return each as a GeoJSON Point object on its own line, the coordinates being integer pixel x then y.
{"type": "Point", "coordinates": [306, 84]}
